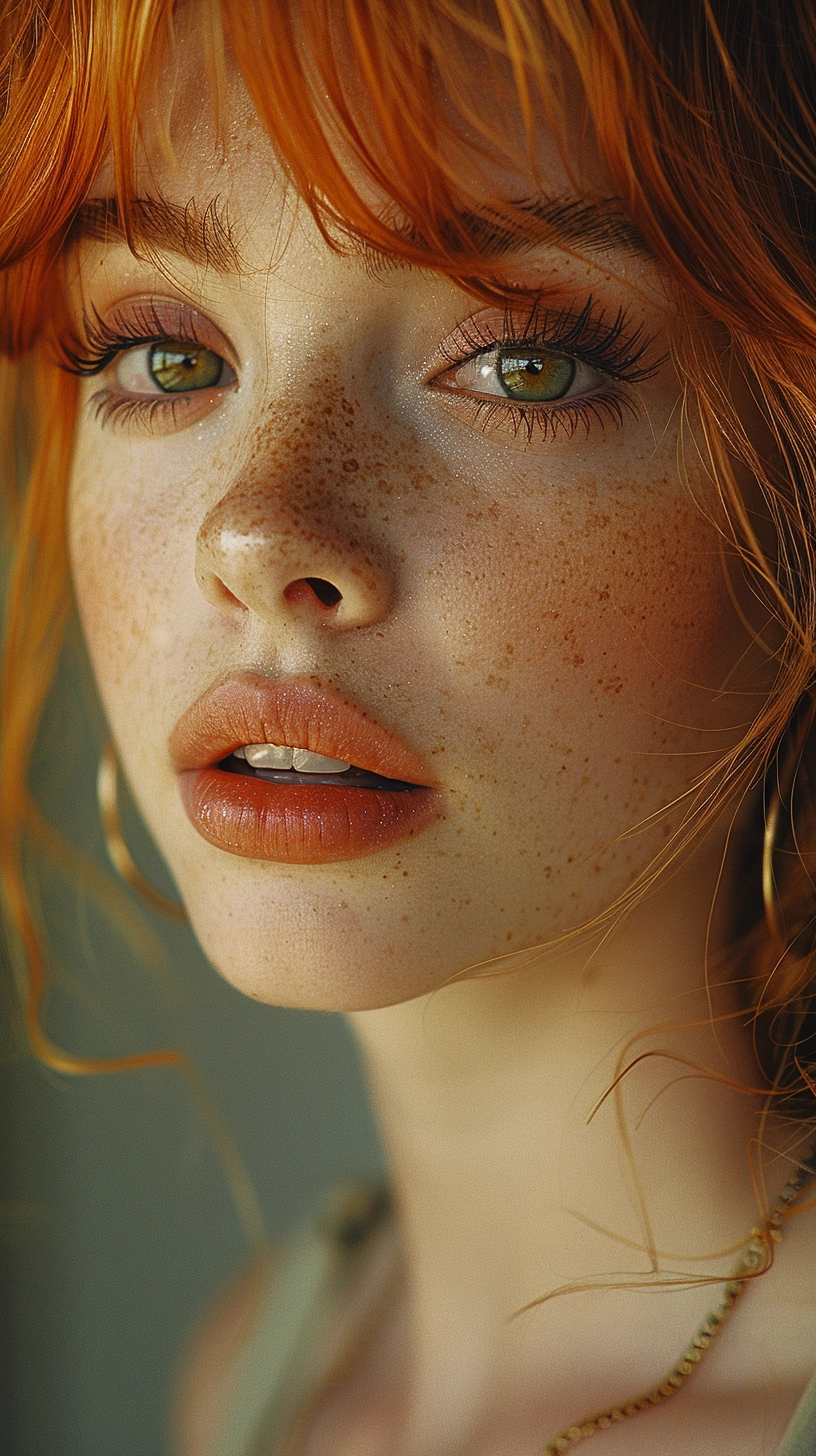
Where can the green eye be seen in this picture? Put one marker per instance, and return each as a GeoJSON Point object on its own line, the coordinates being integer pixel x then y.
{"type": "Point", "coordinates": [177, 368]}
{"type": "Point", "coordinates": [532, 374]}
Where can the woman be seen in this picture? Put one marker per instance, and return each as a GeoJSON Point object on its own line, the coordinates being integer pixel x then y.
{"type": "Point", "coordinates": [425, 401]}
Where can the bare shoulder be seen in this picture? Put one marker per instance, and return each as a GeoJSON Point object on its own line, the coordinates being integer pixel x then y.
{"type": "Point", "coordinates": [207, 1369]}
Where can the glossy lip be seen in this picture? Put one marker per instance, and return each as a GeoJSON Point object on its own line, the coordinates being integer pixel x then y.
{"type": "Point", "coordinates": [296, 823]}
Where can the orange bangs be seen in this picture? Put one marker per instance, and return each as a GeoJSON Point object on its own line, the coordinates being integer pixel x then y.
{"type": "Point", "coordinates": [378, 92]}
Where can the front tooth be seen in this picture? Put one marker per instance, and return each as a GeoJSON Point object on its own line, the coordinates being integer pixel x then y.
{"type": "Point", "coordinates": [268, 755]}
{"type": "Point", "coordinates": [306, 762]}
{"type": "Point", "coordinates": [239, 753]}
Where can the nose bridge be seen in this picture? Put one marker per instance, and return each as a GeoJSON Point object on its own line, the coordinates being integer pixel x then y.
{"type": "Point", "coordinates": [279, 541]}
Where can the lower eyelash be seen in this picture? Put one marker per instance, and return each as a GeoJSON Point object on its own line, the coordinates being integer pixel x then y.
{"type": "Point", "coordinates": [548, 422]}
{"type": "Point", "coordinates": [545, 422]}
{"type": "Point", "coordinates": [107, 407]}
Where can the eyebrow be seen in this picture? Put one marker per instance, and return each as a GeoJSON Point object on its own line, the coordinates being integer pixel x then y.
{"type": "Point", "coordinates": [204, 235]}
{"type": "Point", "coordinates": [594, 225]}
{"type": "Point", "coordinates": [601, 226]}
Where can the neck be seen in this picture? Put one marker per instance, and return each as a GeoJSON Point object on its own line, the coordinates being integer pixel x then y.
{"type": "Point", "coordinates": [484, 1092]}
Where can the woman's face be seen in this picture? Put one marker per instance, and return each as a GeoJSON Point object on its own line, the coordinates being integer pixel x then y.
{"type": "Point", "coordinates": [347, 510]}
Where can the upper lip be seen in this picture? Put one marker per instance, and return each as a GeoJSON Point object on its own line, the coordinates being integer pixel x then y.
{"type": "Point", "coordinates": [297, 712]}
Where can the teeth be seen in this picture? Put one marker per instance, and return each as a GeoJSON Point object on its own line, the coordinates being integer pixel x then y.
{"type": "Point", "coordinates": [306, 762]}
{"type": "Point", "coordinates": [269, 755]}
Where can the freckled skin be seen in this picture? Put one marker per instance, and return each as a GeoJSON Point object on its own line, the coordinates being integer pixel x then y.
{"type": "Point", "coordinates": [549, 627]}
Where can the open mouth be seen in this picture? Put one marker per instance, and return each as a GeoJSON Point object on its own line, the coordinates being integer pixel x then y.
{"type": "Point", "coordinates": [248, 791]}
{"type": "Point", "coordinates": [258, 761]}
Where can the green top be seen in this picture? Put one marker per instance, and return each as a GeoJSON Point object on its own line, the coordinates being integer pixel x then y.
{"type": "Point", "coordinates": [302, 1333]}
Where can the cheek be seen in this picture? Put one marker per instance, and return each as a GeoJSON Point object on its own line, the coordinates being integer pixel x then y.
{"type": "Point", "coordinates": [133, 557]}
{"type": "Point", "coordinates": [591, 603]}
{"type": "Point", "coordinates": [590, 645]}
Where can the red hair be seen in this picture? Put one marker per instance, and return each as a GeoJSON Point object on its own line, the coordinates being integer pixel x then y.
{"type": "Point", "coordinates": [705, 121]}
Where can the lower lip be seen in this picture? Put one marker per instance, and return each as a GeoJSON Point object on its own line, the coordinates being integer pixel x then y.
{"type": "Point", "coordinates": [302, 823]}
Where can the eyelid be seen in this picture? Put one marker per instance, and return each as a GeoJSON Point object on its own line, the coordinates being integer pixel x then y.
{"type": "Point", "coordinates": [605, 344]}
{"type": "Point", "coordinates": [132, 326]}
{"type": "Point", "coordinates": [584, 330]}
{"type": "Point", "coordinates": [140, 320]}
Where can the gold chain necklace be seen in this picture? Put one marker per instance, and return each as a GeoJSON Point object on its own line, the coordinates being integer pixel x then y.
{"type": "Point", "coordinates": [367, 1208]}
{"type": "Point", "coordinates": [752, 1262]}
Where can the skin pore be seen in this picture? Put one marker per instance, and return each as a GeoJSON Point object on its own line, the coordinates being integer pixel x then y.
{"type": "Point", "coordinates": [547, 623]}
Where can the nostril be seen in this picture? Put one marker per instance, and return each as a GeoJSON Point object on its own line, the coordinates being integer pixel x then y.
{"type": "Point", "coordinates": [325, 591]}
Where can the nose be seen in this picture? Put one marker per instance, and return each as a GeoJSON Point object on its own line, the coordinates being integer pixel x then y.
{"type": "Point", "coordinates": [276, 552]}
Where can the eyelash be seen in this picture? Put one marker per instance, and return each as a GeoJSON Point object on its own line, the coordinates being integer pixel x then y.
{"type": "Point", "coordinates": [587, 335]}
{"type": "Point", "coordinates": [103, 341]}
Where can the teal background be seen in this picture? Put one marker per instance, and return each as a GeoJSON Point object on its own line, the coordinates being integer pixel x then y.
{"type": "Point", "coordinates": [117, 1225]}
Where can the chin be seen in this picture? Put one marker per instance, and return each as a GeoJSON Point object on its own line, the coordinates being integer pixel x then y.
{"type": "Point", "coordinates": [314, 978]}
{"type": "Point", "coordinates": [314, 954]}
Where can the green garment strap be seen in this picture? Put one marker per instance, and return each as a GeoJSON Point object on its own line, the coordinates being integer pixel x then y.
{"type": "Point", "coordinates": [800, 1437]}
{"type": "Point", "coordinates": [288, 1352]}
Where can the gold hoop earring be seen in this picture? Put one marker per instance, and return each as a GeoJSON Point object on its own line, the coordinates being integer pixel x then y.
{"type": "Point", "coordinates": [768, 882]}
{"type": "Point", "coordinates": [802, 721]}
{"type": "Point", "coordinates": [107, 783]}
